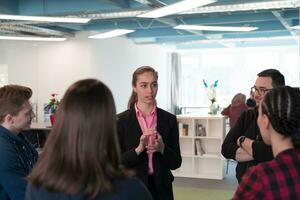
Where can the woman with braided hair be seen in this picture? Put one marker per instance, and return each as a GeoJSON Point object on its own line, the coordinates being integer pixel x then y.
{"type": "Point", "coordinates": [279, 123]}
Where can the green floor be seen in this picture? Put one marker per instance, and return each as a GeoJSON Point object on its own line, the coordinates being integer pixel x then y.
{"type": "Point", "coordinates": [182, 193]}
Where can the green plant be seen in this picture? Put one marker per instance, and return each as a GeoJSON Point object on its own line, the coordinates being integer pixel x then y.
{"type": "Point", "coordinates": [53, 104]}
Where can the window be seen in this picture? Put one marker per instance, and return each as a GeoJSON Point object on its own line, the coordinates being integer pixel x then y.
{"type": "Point", "coordinates": [235, 70]}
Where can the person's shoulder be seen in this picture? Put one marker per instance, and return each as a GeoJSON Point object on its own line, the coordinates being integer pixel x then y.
{"type": "Point", "coordinates": [6, 147]}
{"type": "Point", "coordinates": [124, 114]}
{"type": "Point", "coordinates": [37, 193]}
{"type": "Point", "coordinates": [129, 183]}
{"type": "Point", "coordinates": [263, 170]}
{"type": "Point", "coordinates": [249, 114]}
{"type": "Point", "coordinates": [132, 188]}
{"type": "Point", "coordinates": [165, 113]}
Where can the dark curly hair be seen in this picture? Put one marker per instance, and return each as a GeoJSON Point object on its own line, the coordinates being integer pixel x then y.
{"type": "Point", "coordinates": [282, 106]}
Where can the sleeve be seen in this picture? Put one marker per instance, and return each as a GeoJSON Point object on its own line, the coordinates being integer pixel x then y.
{"type": "Point", "coordinates": [12, 175]}
{"type": "Point", "coordinates": [229, 145]}
{"type": "Point", "coordinates": [261, 151]}
{"type": "Point", "coordinates": [225, 111]}
{"type": "Point", "coordinates": [29, 193]}
{"type": "Point", "coordinates": [251, 186]}
{"type": "Point", "coordinates": [172, 157]}
{"type": "Point", "coordinates": [129, 157]}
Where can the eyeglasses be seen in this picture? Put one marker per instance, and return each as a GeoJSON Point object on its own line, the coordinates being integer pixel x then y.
{"type": "Point", "coordinates": [261, 91]}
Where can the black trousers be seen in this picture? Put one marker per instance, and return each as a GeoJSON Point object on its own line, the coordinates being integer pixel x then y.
{"type": "Point", "coordinates": [165, 193]}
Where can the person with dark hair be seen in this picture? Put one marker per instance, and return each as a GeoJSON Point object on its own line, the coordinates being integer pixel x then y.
{"type": "Point", "coordinates": [81, 158]}
{"type": "Point", "coordinates": [17, 155]}
{"type": "Point", "coordinates": [234, 110]}
{"type": "Point", "coordinates": [279, 124]}
{"type": "Point", "coordinates": [149, 136]}
{"type": "Point", "coordinates": [250, 101]}
{"type": "Point", "coordinates": [243, 142]}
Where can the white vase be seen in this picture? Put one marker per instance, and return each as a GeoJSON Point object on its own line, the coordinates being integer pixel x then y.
{"type": "Point", "coordinates": [213, 108]}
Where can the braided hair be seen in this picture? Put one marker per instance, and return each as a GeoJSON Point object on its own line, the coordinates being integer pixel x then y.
{"type": "Point", "coordinates": [282, 106]}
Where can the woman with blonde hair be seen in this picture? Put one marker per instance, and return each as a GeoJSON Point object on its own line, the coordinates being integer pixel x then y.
{"type": "Point", "coordinates": [81, 158]}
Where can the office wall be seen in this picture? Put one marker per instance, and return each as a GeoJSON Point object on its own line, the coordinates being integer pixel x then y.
{"type": "Point", "coordinates": [114, 61]}
{"type": "Point", "coordinates": [51, 67]}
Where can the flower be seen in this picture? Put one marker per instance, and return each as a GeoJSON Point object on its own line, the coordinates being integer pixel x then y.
{"type": "Point", "coordinates": [53, 104]}
{"type": "Point", "coordinates": [211, 90]}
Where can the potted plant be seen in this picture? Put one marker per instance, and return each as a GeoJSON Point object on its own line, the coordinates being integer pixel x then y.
{"type": "Point", "coordinates": [51, 107]}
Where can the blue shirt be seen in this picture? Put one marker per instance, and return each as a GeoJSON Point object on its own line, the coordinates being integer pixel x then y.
{"type": "Point", "coordinates": [17, 159]}
{"type": "Point", "coordinates": [127, 189]}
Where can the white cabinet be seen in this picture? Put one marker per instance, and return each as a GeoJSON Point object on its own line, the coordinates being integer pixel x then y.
{"type": "Point", "coordinates": [201, 138]}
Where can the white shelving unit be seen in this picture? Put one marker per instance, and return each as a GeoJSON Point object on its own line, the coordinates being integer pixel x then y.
{"type": "Point", "coordinates": [201, 138]}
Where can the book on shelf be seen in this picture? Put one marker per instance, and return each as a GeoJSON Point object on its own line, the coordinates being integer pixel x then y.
{"type": "Point", "coordinates": [200, 130]}
{"type": "Point", "coordinates": [185, 129]}
{"type": "Point", "coordinates": [199, 149]}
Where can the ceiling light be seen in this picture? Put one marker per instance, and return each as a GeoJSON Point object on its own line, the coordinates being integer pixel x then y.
{"type": "Point", "coordinates": [264, 5]}
{"type": "Point", "coordinates": [46, 19]}
{"type": "Point", "coordinates": [296, 27]}
{"type": "Point", "coordinates": [243, 39]}
{"type": "Point", "coordinates": [113, 33]}
{"type": "Point", "coordinates": [176, 8]}
{"type": "Point", "coordinates": [32, 38]}
{"type": "Point", "coordinates": [215, 28]}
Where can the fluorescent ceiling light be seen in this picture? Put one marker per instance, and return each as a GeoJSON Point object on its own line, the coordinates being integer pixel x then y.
{"type": "Point", "coordinates": [46, 19]}
{"type": "Point", "coordinates": [296, 27]}
{"type": "Point", "coordinates": [113, 33]}
{"type": "Point", "coordinates": [263, 5]}
{"type": "Point", "coordinates": [176, 8]}
{"type": "Point", "coordinates": [215, 28]}
{"type": "Point", "coordinates": [32, 38]}
{"type": "Point", "coordinates": [243, 39]}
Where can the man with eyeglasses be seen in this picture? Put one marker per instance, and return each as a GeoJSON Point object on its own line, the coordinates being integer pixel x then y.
{"type": "Point", "coordinates": [243, 142]}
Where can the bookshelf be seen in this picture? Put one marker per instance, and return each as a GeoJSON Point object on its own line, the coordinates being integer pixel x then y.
{"type": "Point", "coordinates": [201, 138]}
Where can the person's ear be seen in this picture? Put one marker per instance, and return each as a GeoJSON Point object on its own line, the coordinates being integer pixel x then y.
{"type": "Point", "coordinates": [9, 119]}
{"type": "Point", "coordinates": [265, 121]}
{"type": "Point", "coordinates": [134, 88]}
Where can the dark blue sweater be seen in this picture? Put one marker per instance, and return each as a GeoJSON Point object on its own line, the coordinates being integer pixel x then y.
{"type": "Point", "coordinates": [127, 189]}
{"type": "Point", "coordinates": [17, 157]}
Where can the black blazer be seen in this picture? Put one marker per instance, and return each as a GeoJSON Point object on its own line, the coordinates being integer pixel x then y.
{"type": "Point", "coordinates": [129, 133]}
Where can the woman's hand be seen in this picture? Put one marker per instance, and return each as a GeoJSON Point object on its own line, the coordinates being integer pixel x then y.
{"type": "Point", "coordinates": [144, 139]}
{"type": "Point", "coordinates": [142, 145]}
{"type": "Point", "coordinates": [158, 146]}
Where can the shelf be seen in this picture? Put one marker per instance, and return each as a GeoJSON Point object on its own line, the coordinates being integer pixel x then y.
{"type": "Point", "coordinates": [209, 138]}
{"type": "Point", "coordinates": [195, 116]}
{"type": "Point", "coordinates": [186, 137]}
{"type": "Point", "coordinates": [206, 155]}
{"type": "Point", "coordinates": [209, 155]}
{"type": "Point", "coordinates": [188, 155]}
{"type": "Point", "coordinates": [200, 140]}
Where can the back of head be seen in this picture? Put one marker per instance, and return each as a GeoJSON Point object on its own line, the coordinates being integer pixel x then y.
{"type": "Point", "coordinates": [12, 97]}
{"type": "Point", "coordinates": [282, 106]}
{"type": "Point", "coordinates": [239, 98]}
{"type": "Point", "coordinates": [135, 75]}
{"type": "Point", "coordinates": [81, 153]}
{"type": "Point", "coordinates": [275, 75]}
